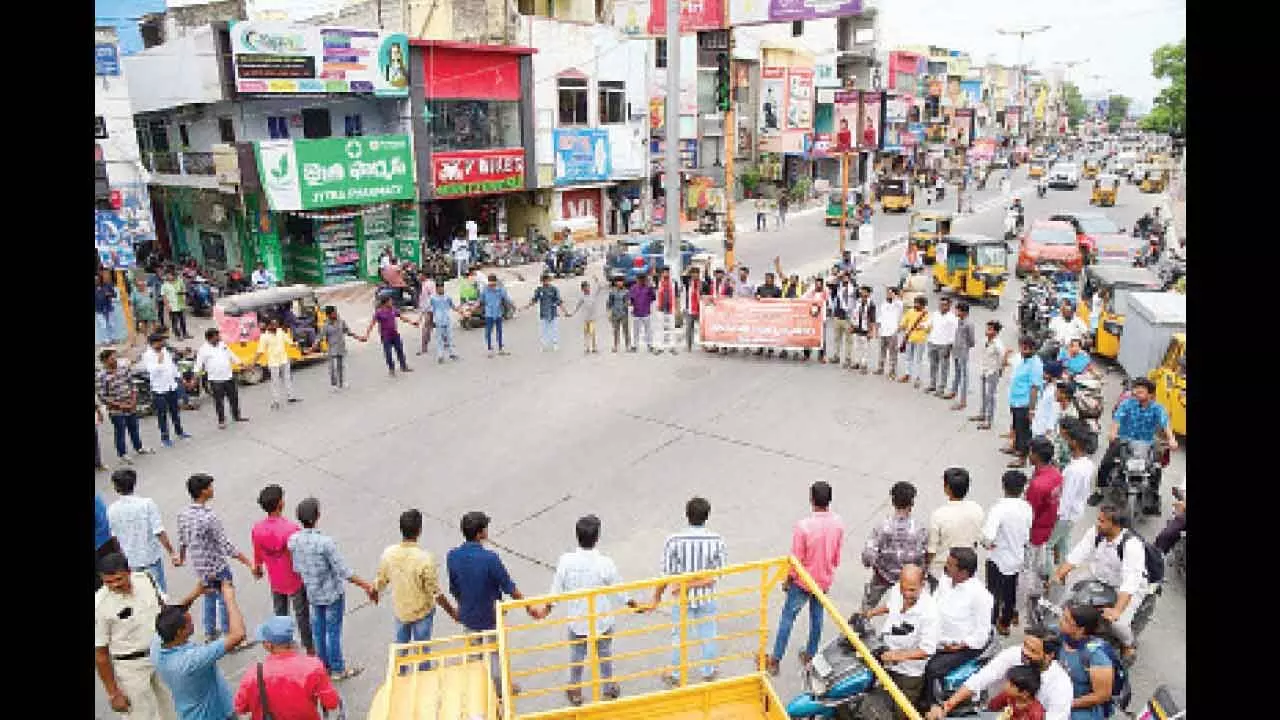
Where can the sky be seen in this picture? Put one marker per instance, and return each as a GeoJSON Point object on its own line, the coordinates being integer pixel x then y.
{"type": "Point", "coordinates": [1116, 37]}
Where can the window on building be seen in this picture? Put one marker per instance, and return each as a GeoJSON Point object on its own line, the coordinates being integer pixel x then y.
{"type": "Point", "coordinates": [352, 125]}
{"type": "Point", "coordinates": [226, 130]}
{"type": "Point", "coordinates": [573, 101]}
{"type": "Point", "coordinates": [660, 52]}
{"type": "Point", "coordinates": [601, 7]}
{"type": "Point", "coordinates": [797, 28]}
{"type": "Point", "coordinates": [613, 102]}
{"type": "Point", "coordinates": [316, 123]}
{"type": "Point", "coordinates": [184, 137]}
{"type": "Point", "coordinates": [277, 127]}
{"type": "Point", "coordinates": [158, 132]}
{"type": "Point", "coordinates": [99, 128]}
{"type": "Point", "coordinates": [473, 124]}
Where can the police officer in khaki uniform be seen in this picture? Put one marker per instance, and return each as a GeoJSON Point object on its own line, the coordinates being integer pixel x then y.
{"type": "Point", "coordinates": [125, 610]}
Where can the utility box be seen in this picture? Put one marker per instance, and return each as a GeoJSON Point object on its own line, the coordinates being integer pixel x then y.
{"type": "Point", "coordinates": [1151, 319]}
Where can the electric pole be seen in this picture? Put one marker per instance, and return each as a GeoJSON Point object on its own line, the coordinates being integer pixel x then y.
{"type": "Point", "coordinates": [671, 184]}
{"type": "Point", "coordinates": [727, 89]}
{"type": "Point", "coordinates": [1022, 34]}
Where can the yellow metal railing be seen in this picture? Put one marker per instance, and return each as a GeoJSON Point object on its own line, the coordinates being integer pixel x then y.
{"type": "Point", "coordinates": [764, 577]}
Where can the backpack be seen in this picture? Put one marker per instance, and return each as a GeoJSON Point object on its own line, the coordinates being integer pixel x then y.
{"type": "Point", "coordinates": [1120, 689]}
{"type": "Point", "coordinates": [1154, 559]}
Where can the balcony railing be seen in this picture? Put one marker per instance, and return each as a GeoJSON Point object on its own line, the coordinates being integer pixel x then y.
{"type": "Point", "coordinates": [179, 163]}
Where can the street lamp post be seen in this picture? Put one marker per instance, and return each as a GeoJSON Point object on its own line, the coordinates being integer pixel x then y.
{"type": "Point", "coordinates": [1066, 76]}
{"type": "Point", "coordinates": [1022, 34]}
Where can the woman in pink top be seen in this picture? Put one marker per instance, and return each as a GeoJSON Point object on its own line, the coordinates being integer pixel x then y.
{"type": "Point", "coordinates": [270, 547]}
{"type": "Point", "coordinates": [816, 544]}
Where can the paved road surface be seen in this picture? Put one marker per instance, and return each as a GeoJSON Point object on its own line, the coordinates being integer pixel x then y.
{"type": "Point", "coordinates": [539, 439]}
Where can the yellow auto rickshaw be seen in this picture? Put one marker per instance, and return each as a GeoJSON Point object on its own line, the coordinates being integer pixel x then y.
{"type": "Point", "coordinates": [895, 195]}
{"type": "Point", "coordinates": [1154, 180]}
{"type": "Point", "coordinates": [1037, 167]}
{"type": "Point", "coordinates": [1105, 189]}
{"type": "Point", "coordinates": [1091, 169]}
{"type": "Point", "coordinates": [1171, 383]}
{"type": "Point", "coordinates": [1112, 285]}
{"type": "Point", "coordinates": [975, 267]}
{"type": "Point", "coordinates": [925, 228]}
{"type": "Point", "coordinates": [241, 319]}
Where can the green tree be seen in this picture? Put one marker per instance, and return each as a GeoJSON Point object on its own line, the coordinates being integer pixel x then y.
{"type": "Point", "coordinates": [1169, 109]}
{"type": "Point", "coordinates": [1074, 103]}
{"type": "Point", "coordinates": [1117, 111]}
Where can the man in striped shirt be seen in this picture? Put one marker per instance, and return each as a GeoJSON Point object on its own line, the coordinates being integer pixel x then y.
{"type": "Point", "coordinates": [693, 549]}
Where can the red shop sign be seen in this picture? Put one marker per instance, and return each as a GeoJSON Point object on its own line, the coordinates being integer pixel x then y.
{"type": "Point", "coordinates": [477, 172]}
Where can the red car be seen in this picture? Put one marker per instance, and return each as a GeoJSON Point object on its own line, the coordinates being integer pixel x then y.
{"type": "Point", "coordinates": [1100, 238]}
{"type": "Point", "coordinates": [1048, 244]}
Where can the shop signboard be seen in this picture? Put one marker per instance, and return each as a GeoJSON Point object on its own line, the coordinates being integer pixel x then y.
{"type": "Point", "coordinates": [582, 155]}
{"type": "Point", "coordinates": [477, 172]}
{"type": "Point", "coordinates": [114, 241]}
{"type": "Point", "coordinates": [799, 99]}
{"type": "Point", "coordinates": [773, 95]}
{"type": "Point", "coordinates": [335, 172]}
{"type": "Point", "coordinates": [106, 59]}
{"type": "Point", "coordinates": [775, 323]}
{"type": "Point", "coordinates": [962, 127]}
{"type": "Point", "coordinates": [694, 15]}
{"type": "Point", "coordinates": [756, 12]}
{"type": "Point", "coordinates": [276, 58]}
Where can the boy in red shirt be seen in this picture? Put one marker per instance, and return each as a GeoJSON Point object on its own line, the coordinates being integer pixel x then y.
{"type": "Point", "coordinates": [1043, 493]}
{"type": "Point", "coordinates": [1018, 698]}
{"type": "Point", "coordinates": [270, 547]}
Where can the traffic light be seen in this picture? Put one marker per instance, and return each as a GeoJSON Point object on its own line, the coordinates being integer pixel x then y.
{"type": "Point", "coordinates": [723, 95]}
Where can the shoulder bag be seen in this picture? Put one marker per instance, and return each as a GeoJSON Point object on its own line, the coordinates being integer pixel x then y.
{"type": "Point", "coordinates": [903, 346]}
{"type": "Point", "coordinates": [262, 696]}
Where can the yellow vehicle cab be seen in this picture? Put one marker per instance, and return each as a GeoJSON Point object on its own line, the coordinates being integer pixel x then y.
{"type": "Point", "coordinates": [924, 228]}
{"type": "Point", "coordinates": [465, 676]}
{"type": "Point", "coordinates": [895, 195]}
{"type": "Point", "coordinates": [1171, 383]}
{"type": "Point", "coordinates": [1154, 180]}
{"type": "Point", "coordinates": [1105, 189]}
{"type": "Point", "coordinates": [974, 267]}
{"type": "Point", "coordinates": [1112, 285]}
{"type": "Point", "coordinates": [241, 319]}
{"type": "Point", "coordinates": [1037, 167]}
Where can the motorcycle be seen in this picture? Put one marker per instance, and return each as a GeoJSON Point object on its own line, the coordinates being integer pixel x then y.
{"type": "Point", "coordinates": [1134, 478]}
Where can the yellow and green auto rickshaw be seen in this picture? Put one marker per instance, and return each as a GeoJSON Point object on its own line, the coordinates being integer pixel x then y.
{"type": "Point", "coordinates": [975, 267]}
{"type": "Point", "coordinates": [925, 228]}
{"type": "Point", "coordinates": [1171, 383]}
{"type": "Point", "coordinates": [1091, 169]}
{"type": "Point", "coordinates": [240, 318]}
{"type": "Point", "coordinates": [895, 194]}
{"type": "Point", "coordinates": [1112, 284]}
{"type": "Point", "coordinates": [1154, 180]}
{"type": "Point", "coordinates": [851, 205]}
{"type": "Point", "coordinates": [1105, 189]}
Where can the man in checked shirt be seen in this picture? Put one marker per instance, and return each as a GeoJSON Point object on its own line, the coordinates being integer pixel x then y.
{"type": "Point", "coordinates": [693, 549]}
{"type": "Point", "coordinates": [201, 536]}
{"type": "Point", "coordinates": [898, 540]}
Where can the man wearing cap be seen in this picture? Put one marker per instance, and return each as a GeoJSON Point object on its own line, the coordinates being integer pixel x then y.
{"type": "Point", "coordinates": [124, 617]}
{"type": "Point", "coordinates": [190, 670]}
{"type": "Point", "coordinates": [291, 682]}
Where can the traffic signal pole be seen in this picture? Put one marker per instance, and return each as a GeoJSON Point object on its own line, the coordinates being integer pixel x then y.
{"type": "Point", "coordinates": [730, 148]}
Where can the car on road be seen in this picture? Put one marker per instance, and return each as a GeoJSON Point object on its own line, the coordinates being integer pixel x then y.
{"type": "Point", "coordinates": [646, 254]}
{"type": "Point", "coordinates": [1048, 246]}
{"type": "Point", "coordinates": [1100, 238]}
{"type": "Point", "coordinates": [1064, 175]}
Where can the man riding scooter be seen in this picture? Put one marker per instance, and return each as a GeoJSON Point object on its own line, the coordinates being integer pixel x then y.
{"type": "Point", "coordinates": [965, 606]}
{"type": "Point", "coordinates": [910, 632]}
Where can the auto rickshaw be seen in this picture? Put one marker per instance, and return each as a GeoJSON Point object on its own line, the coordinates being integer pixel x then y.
{"type": "Point", "coordinates": [851, 205]}
{"type": "Point", "coordinates": [1105, 189]}
{"type": "Point", "coordinates": [895, 194]}
{"type": "Point", "coordinates": [241, 318]}
{"type": "Point", "coordinates": [1091, 169]}
{"type": "Point", "coordinates": [975, 267]}
{"type": "Point", "coordinates": [925, 227]}
{"type": "Point", "coordinates": [1154, 180]}
{"type": "Point", "coordinates": [1037, 167]}
{"type": "Point", "coordinates": [1171, 383]}
{"type": "Point", "coordinates": [1115, 282]}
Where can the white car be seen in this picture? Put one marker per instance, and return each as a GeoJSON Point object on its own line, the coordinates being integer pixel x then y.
{"type": "Point", "coordinates": [1064, 175]}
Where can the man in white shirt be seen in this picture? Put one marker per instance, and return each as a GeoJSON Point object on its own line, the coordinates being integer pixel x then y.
{"type": "Point", "coordinates": [1040, 649]}
{"type": "Point", "coordinates": [461, 254]}
{"type": "Point", "coordinates": [214, 358]}
{"type": "Point", "coordinates": [262, 278]}
{"type": "Point", "coordinates": [1045, 420]}
{"type": "Point", "coordinates": [1005, 535]}
{"type": "Point", "coordinates": [910, 630]}
{"type": "Point", "coordinates": [941, 335]}
{"type": "Point", "coordinates": [890, 334]}
{"type": "Point", "coordinates": [1077, 477]}
{"type": "Point", "coordinates": [958, 523]}
{"type": "Point", "coordinates": [965, 608]}
{"type": "Point", "coordinates": [163, 375]}
{"type": "Point", "coordinates": [135, 523]}
{"type": "Point", "coordinates": [1116, 557]}
{"type": "Point", "coordinates": [1066, 326]}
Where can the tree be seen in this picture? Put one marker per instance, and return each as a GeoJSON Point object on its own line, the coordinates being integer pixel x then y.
{"type": "Point", "coordinates": [1074, 103]}
{"type": "Point", "coordinates": [1117, 111]}
{"type": "Point", "coordinates": [1169, 109]}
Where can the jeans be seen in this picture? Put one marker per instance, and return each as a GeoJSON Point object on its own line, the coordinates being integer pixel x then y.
{"type": "Point", "coordinates": [166, 404]}
{"type": "Point", "coordinates": [939, 361]}
{"type": "Point", "coordinates": [915, 360]}
{"type": "Point", "coordinates": [989, 384]}
{"type": "Point", "coordinates": [281, 383]}
{"type": "Point", "coordinates": [393, 343]}
{"type": "Point", "coordinates": [416, 631]}
{"type": "Point", "coordinates": [549, 332]}
{"type": "Point", "coordinates": [225, 390]}
{"type": "Point", "coordinates": [460, 264]}
{"type": "Point", "coordinates": [578, 655]}
{"type": "Point", "coordinates": [761, 222]}
{"type": "Point", "coordinates": [337, 366]}
{"type": "Point", "coordinates": [326, 630]}
{"type": "Point", "coordinates": [690, 331]}
{"type": "Point", "coordinates": [1021, 418]}
{"type": "Point", "coordinates": [489, 637]}
{"type": "Point", "coordinates": [156, 571]}
{"type": "Point", "coordinates": [301, 614]}
{"type": "Point", "coordinates": [620, 324]}
{"type": "Point", "coordinates": [215, 607]}
{"type": "Point", "coordinates": [178, 320]}
{"type": "Point", "coordinates": [491, 324]}
{"type": "Point", "coordinates": [121, 423]}
{"type": "Point", "coordinates": [643, 326]}
{"type": "Point", "coordinates": [889, 351]}
{"type": "Point", "coordinates": [1004, 592]}
{"type": "Point", "coordinates": [1060, 540]}
{"type": "Point", "coordinates": [960, 382]}
{"type": "Point", "coordinates": [797, 597]}
{"type": "Point", "coordinates": [444, 343]}
{"type": "Point", "coordinates": [704, 631]}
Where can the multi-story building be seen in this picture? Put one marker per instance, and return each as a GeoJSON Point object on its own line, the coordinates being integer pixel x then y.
{"type": "Point", "coordinates": [120, 180]}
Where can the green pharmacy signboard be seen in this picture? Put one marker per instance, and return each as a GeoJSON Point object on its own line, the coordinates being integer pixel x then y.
{"type": "Point", "coordinates": [335, 172]}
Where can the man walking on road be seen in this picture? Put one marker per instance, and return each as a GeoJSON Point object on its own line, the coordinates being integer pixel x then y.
{"type": "Point", "coordinates": [270, 538]}
{"type": "Point", "coordinates": [214, 359]}
{"type": "Point", "coordinates": [895, 542]}
{"type": "Point", "coordinates": [385, 317]}
{"type": "Point", "coordinates": [191, 670]}
{"type": "Point", "coordinates": [415, 583]}
{"type": "Point", "coordinates": [994, 359]}
{"type": "Point", "coordinates": [816, 542]}
{"type": "Point", "coordinates": [200, 531]}
{"type": "Point", "coordinates": [889, 332]}
{"type": "Point", "coordinates": [136, 525]}
{"type": "Point", "coordinates": [941, 336]}
{"type": "Point", "coordinates": [494, 299]}
{"type": "Point", "coordinates": [693, 549]}
{"type": "Point", "coordinates": [641, 298]}
{"type": "Point", "coordinates": [547, 297]}
{"type": "Point", "coordinates": [617, 307]}
{"type": "Point", "coordinates": [916, 324]}
{"type": "Point", "coordinates": [957, 524]}
{"type": "Point", "coordinates": [163, 375]}
{"type": "Point", "coordinates": [335, 332]}
{"type": "Point", "coordinates": [273, 344]}
{"type": "Point", "coordinates": [316, 560]}
{"type": "Point", "coordinates": [964, 342]}
{"type": "Point", "coordinates": [668, 295]}
{"type": "Point", "coordinates": [116, 391]}
{"type": "Point", "coordinates": [124, 620]}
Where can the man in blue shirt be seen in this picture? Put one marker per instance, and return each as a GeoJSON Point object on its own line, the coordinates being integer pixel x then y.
{"type": "Point", "coordinates": [440, 304]}
{"type": "Point", "coordinates": [1025, 385]}
{"type": "Point", "coordinates": [494, 299]}
{"type": "Point", "coordinates": [547, 296]}
{"type": "Point", "coordinates": [191, 670]}
{"type": "Point", "coordinates": [1137, 418]}
{"type": "Point", "coordinates": [478, 579]}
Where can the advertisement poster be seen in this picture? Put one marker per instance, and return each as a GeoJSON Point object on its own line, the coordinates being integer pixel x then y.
{"type": "Point", "coordinates": [743, 322]}
{"type": "Point", "coordinates": [962, 127]}
{"type": "Point", "coordinates": [582, 155]}
{"type": "Point", "coordinates": [773, 94]}
{"type": "Point", "coordinates": [271, 58]}
{"type": "Point", "coordinates": [1011, 120]}
{"type": "Point", "coordinates": [1042, 99]}
{"type": "Point", "coordinates": [335, 172]}
{"type": "Point", "coordinates": [694, 15]}
{"type": "Point", "coordinates": [799, 99]}
{"type": "Point", "coordinates": [846, 119]}
{"type": "Point", "coordinates": [477, 172]}
{"type": "Point", "coordinates": [113, 241]}
{"type": "Point", "coordinates": [971, 91]}
{"type": "Point", "coordinates": [870, 136]}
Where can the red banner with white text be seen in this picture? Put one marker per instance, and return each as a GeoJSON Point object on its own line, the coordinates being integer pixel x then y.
{"type": "Point", "coordinates": [748, 322]}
